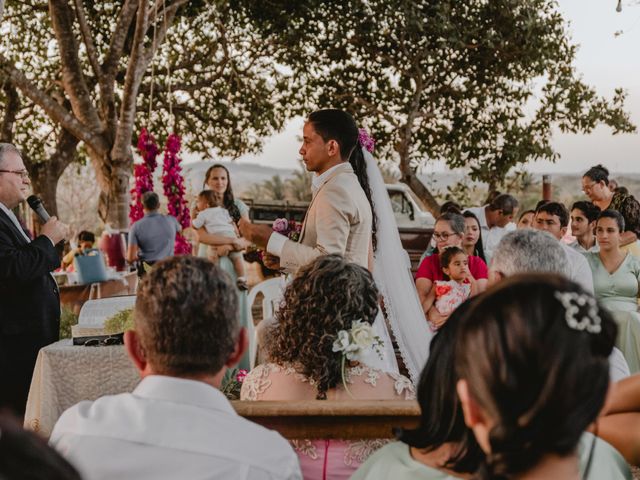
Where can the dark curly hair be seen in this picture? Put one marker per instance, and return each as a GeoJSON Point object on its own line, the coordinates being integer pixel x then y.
{"type": "Point", "coordinates": [324, 298]}
{"type": "Point", "coordinates": [227, 200]}
{"type": "Point", "coordinates": [540, 381]}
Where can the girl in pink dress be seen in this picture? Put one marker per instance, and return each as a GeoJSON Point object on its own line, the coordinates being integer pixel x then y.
{"type": "Point", "coordinates": [459, 285]}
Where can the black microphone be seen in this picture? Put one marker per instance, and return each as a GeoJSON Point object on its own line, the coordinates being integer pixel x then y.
{"type": "Point", "coordinates": [36, 205]}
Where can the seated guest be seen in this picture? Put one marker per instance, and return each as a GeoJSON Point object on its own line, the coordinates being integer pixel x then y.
{"type": "Point", "coordinates": [448, 231]}
{"type": "Point", "coordinates": [553, 217]}
{"type": "Point", "coordinates": [615, 277]}
{"type": "Point", "coordinates": [85, 242]}
{"type": "Point", "coordinates": [583, 224]}
{"type": "Point", "coordinates": [441, 445]}
{"type": "Point", "coordinates": [472, 240]}
{"type": "Point", "coordinates": [496, 219]}
{"type": "Point", "coordinates": [176, 423]}
{"type": "Point", "coordinates": [519, 252]}
{"type": "Point", "coordinates": [531, 356]}
{"type": "Point", "coordinates": [26, 456]}
{"type": "Point", "coordinates": [526, 219]}
{"type": "Point", "coordinates": [312, 355]}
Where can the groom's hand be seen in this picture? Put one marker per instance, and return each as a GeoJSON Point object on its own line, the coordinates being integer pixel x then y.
{"type": "Point", "coordinates": [258, 234]}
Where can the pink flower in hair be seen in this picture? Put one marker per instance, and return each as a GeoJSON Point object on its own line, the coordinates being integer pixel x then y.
{"type": "Point", "coordinates": [366, 141]}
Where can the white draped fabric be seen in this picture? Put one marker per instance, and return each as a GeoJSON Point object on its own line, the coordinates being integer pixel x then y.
{"type": "Point", "coordinates": [394, 280]}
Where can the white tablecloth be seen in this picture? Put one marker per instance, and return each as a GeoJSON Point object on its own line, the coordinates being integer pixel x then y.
{"type": "Point", "coordinates": [65, 374]}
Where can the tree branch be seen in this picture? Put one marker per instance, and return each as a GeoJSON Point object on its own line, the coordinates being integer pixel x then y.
{"type": "Point", "coordinates": [135, 72]}
{"type": "Point", "coordinates": [85, 30]}
{"type": "Point", "coordinates": [72, 76]}
{"type": "Point", "coordinates": [10, 112]}
{"type": "Point", "coordinates": [111, 64]}
{"type": "Point", "coordinates": [53, 109]}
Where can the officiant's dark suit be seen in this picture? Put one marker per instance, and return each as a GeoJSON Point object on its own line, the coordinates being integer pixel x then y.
{"type": "Point", "coordinates": [29, 297]}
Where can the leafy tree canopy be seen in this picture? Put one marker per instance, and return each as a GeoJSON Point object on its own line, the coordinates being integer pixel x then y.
{"type": "Point", "coordinates": [479, 84]}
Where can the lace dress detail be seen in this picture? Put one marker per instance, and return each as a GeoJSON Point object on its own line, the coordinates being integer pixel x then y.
{"type": "Point", "coordinates": [313, 453]}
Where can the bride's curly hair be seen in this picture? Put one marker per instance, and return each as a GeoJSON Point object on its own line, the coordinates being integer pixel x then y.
{"type": "Point", "coordinates": [324, 298]}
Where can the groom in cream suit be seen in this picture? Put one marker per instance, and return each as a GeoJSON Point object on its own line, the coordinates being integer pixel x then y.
{"type": "Point", "coordinates": [339, 218]}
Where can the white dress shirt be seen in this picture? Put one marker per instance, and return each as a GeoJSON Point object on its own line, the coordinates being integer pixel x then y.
{"type": "Point", "coordinates": [170, 428]}
{"type": "Point", "coordinates": [490, 236]}
{"type": "Point", "coordinates": [579, 270]}
{"type": "Point", "coordinates": [15, 221]}
{"type": "Point", "coordinates": [277, 240]}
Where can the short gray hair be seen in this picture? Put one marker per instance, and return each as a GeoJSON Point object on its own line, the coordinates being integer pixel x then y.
{"type": "Point", "coordinates": [529, 251]}
{"type": "Point", "coordinates": [455, 221]}
{"type": "Point", "coordinates": [7, 148]}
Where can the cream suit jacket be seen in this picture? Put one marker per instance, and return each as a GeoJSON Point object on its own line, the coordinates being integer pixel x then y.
{"type": "Point", "coordinates": [338, 221]}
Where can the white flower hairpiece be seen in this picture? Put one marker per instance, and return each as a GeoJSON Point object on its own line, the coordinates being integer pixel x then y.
{"type": "Point", "coordinates": [355, 343]}
{"type": "Point", "coordinates": [573, 303]}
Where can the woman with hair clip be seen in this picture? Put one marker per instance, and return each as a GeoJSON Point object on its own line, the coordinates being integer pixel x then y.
{"type": "Point", "coordinates": [532, 358]}
{"type": "Point", "coordinates": [318, 349]}
{"type": "Point", "coordinates": [616, 278]}
{"type": "Point", "coordinates": [441, 446]}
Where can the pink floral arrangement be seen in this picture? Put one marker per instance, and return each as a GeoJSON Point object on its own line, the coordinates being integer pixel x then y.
{"type": "Point", "coordinates": [289, 228]}
{"type": "Point", "coordinates": [173, 184]}
{"type": "Point", "coordinates": [143, 174]}
{"type": "Point", "coordinates": [366, 141]}
{"type": "Point", "coordinates": [240, 376]}
{"type": "Point", "coordinates": [232, 384]}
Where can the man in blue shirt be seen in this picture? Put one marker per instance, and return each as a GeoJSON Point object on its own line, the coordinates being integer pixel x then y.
{"type": "Point", "coordinates": [152, 238]}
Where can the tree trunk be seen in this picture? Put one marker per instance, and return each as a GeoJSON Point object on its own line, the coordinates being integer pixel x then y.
{"type": "Point", "coordinates": [113, 178]}
{"type": "Point", "coordinates": [46, 174]}
{"type": "Point", "coordinates": [409, 177]}
{"type": "Point", "coordinates": [10, 112]}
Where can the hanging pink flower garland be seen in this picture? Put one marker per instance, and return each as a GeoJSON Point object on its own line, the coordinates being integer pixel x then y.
{"type": "Point", "coordinates": [173, 184]}
{"type": "Point", "coordinates": [143, 174]}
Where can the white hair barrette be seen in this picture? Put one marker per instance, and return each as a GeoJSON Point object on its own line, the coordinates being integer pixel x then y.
{"type": "Point", "coordinates": [581, 311]}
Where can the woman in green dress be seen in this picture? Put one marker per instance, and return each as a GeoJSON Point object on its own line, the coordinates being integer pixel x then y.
{"type": "Point", "coordinates": [217, 179]}
{"type": "Point", "coordinates": [616, 274]}
{"type": "Point", "coordinates": [441, 447]}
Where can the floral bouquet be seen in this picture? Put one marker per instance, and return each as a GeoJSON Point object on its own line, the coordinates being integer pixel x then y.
{"type": "Point", "coordinates": [231, 388]}
{"type": "Point", "coordinates": [356, 343]}
{"type": "Point", "coordinates": [289, 228]}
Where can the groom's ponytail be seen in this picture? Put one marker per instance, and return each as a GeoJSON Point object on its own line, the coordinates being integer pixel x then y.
{"type": "Point", "coordinates": [338, 125]}
{"type": "Point", "coordinates": [359, 166]}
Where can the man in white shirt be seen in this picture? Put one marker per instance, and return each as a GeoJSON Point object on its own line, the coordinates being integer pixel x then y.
{"type": "Point", "coordinates": [583, 223]}
{"type": "Point", "coordinates": [553, 217]}
{"type": "Point", "coordinates": [496, 220]}
{"type": "Point", "coordinates": [176, 424]}
{"type": "Point", "coordinates": [535, 251]}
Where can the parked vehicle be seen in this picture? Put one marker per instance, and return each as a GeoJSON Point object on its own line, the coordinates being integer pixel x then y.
{"type": "Point", "coordinates": [415, 224]}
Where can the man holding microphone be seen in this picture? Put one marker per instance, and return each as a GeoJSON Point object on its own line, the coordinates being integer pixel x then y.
{"type": "Point", "coordinates": [29, 297]}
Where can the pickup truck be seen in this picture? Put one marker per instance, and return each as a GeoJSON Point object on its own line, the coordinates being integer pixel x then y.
{"type": "Point", "coordinates": [415, 225]}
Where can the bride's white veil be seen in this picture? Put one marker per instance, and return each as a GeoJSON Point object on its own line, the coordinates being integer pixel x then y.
{"type": "Point", "coordinates": [393, 278]}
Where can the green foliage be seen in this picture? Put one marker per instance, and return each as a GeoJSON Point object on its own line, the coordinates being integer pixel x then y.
{"type": "Point", "coordinates": [67, 320]}
{"type": "Point", "coordinates": [480, 85]}
{"type": "Point", "coordinates": [119, 322]}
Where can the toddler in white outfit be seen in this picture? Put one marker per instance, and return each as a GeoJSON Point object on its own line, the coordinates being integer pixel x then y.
{"type": "Point", "coordinates": [215, 218]}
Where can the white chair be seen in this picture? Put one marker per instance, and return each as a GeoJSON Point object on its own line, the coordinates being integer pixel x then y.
{"type": "Point", "coordinates": [271, 290]}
